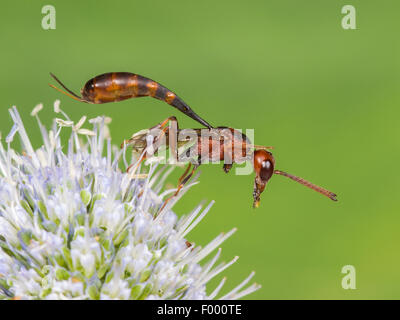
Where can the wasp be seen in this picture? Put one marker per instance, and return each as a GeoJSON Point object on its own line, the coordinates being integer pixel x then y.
{"type": "Point", "coordinates": [118, 86]}
{"type": "Point", "coordinates": [220, 144]}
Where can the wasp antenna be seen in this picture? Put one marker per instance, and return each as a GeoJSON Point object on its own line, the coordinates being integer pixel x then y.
{"type": "Point", "coordinates": [308, 184]}
{"type": "Point", "coordinates": [257, 147]}
{"type": "Point", "coordinates": [69, 93]}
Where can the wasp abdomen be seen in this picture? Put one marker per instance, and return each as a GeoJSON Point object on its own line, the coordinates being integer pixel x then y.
{"type": "Point", "coordinates": [118, 86]}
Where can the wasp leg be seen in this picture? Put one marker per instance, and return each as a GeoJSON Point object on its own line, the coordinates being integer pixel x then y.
{"type": "Point", "coordinates": [257, 147]}
{"type": "Point", "coordinates": [186, 179]}
{"type": "Point", "coordinates": [182, 181]}
{"type": "Point", "coordinates": [172, 134]}
{"type": "Point", "coordinates": [138, 141]}
{"type": "Point", "coordinates": [137, 165]}
{"type": "Point", "coordinates": [227, 167]}
{"type": "Point", "coordinates": [142, 134]}
{"type": "Point", "coordinates": [185, 173]}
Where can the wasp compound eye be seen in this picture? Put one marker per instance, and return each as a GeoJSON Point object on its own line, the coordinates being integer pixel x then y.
{"type": "Point", "coordinates": [263, 164]}
{"type": "Point", "coordinates": [266, 171]}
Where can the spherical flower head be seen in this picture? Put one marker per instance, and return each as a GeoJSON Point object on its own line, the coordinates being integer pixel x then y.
{"type": "Point", "coordinates": [73, 225]}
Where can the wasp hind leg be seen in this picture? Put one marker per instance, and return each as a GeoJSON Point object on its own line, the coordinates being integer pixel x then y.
{"type": "Point", "coordinates": [185, 177]}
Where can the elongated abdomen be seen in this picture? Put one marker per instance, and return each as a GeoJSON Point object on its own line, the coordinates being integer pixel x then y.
{"type": "Point", "coordinates": [118, 86]}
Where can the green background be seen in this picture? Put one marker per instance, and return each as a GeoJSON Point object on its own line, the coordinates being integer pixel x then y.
{"type": "Point", "coordinates": [326, 98]}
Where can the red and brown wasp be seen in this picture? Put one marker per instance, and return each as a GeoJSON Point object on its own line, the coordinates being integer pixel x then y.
{"type": "Point", "coordinates": [211, 144]}
{"type": "Point", "coordinates": [221, 144]}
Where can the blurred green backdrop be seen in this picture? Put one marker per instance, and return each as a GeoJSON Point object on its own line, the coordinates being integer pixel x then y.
{"type": "Point", "coordinates": [325, 97]}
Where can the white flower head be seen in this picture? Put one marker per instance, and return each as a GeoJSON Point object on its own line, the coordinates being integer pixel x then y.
{"type": "Point", "coordinates": [75, 226]}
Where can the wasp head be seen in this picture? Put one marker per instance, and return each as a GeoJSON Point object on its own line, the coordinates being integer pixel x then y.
{"type": "Point", "coordinates": [264, 164]}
